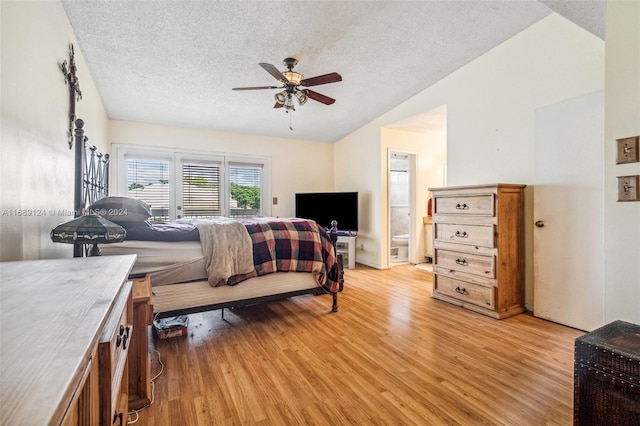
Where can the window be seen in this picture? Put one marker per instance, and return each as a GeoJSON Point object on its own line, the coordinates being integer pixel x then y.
{"type": "Point", "coordinates": [148, 180]}
{"type": "Point", "coordinates": [245, 190]}
{"type": "Point", "coordinates": [193, 184]}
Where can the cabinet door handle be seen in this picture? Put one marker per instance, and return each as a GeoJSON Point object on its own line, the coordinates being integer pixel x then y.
{"type": "Point", "coordinates": [462, 234]}
{"type": "Point", "coordinates": [461, 262]}
{"type": "Point", "coordinates": [461, 290]}
{"type": "Point", "coordinates": [461, 206]}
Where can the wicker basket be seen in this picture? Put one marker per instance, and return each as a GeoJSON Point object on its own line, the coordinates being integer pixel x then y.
{"type": "Point", "coordinates": [607, 376]}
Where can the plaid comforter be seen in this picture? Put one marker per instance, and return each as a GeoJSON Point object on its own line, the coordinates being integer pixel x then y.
{"type": "Point", "coordinates": [291, 245]}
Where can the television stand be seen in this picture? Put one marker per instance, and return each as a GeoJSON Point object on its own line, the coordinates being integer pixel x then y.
{"type": "Point", "coordinates": [346, 244]}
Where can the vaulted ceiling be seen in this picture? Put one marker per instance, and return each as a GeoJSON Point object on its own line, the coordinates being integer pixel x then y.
{"type": "Point", "coordinates": [175, 62]}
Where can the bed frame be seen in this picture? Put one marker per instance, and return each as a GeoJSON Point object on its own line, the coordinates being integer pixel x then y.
{"type": "Point", "coordinates": [241, 303]}
{"type": "Point", "coordinates": [92, 184]}
{"type": "Point", "coordinates": [91, 181]}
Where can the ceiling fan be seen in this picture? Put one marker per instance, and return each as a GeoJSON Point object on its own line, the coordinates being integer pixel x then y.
{"type": "Point", "coordinates": [294, 85]}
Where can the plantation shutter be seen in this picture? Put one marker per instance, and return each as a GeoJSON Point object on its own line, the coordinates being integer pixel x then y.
{"type": "Point", "coordinates": [201, 195]}
{"type": "Point", "coordinates": [148, 180]}
{"type": "Point", "coordinates": [245, 190]}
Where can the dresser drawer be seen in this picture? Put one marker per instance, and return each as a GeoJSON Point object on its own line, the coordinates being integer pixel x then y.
{"type": "Point", "coordinates": [113, 348]}
{"type": "Point", "coordinates": [465, 262]}
{"type": "Point", "coordinates": [474, 235]}
{"type": "Point", "coordinates": [465, 292]}
{"type": "Point", "coordinates": [481, 205]}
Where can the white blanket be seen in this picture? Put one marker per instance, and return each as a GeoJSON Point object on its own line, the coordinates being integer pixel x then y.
{"type": "Point", "coordinates": [227, 248]}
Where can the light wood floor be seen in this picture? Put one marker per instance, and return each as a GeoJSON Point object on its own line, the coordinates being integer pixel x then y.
{"type": "Point", "coordinates": [390, 356]}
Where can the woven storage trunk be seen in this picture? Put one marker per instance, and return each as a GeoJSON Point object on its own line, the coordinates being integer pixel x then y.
{"type": "Point", "coordinates": [607, 376]}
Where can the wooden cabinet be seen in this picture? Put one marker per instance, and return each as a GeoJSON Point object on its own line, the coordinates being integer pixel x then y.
{"type": "Point", "coordinates": [478, 240]}
{"type": "Point", "coordinates": [139, 361]}
{"type": "Point", "coordinates": [64, 344]}
{"type": "Point", "coordinates": [113, 350]}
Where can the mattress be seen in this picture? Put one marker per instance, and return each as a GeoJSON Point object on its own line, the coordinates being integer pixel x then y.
{"type": "Point", "coordinates": [200, 293]}
{"type": "Point", "coordinates": [165, 262]}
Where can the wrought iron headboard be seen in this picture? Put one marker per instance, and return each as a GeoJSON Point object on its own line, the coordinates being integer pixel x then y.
{"type": "Point", "coordinates": [91, 177]}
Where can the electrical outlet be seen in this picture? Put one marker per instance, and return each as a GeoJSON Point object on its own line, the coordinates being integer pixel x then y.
{"type": "Point", "coordinates": [275, 201]}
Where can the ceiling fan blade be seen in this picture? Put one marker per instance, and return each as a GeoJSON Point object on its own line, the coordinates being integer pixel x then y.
{"type": "Point", "coordinates": [257, 88]}
{"type": "Point", "coordinates": [321, 79]}
{"type": "Point", "coordinates": [273, 71]}
{"type": "Point", "coordinates": [277, 105]}
{"type": "Point", "coordinates": [319, 97]}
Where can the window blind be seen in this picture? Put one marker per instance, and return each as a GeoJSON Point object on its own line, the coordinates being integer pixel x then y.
{"type": "Point", "coordinates": [201, 190]}
{"type": "Point", "coordinates": [148, 180]}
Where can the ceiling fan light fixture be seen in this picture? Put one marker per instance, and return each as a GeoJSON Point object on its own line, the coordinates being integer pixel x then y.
{"type": "Point", "coordinates": [293, 77]}
{"type": "Point", "coordinates": [302, 97]}
{"type": "Point", "coordinates": [288, 105]}
{"type": "Point", "coordinates": [281, 97]}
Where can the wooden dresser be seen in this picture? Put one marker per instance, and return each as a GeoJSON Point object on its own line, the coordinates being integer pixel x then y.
{"type": "Point", "coordinates": [478, 240]}
{"type": "Point", "coordinates": [66, 331]}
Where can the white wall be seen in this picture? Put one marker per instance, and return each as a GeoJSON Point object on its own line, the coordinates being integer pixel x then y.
{"type": "Point", "coordinates": [296, 165]}
{"type": "Point", "coordinates": [37, 166]}
{"type": "Point", "coordinates": [359, 166]}
{"type": "Point", "coordinates": [490, 104]}
{"type": "Point", "coordinates": [622, 119]}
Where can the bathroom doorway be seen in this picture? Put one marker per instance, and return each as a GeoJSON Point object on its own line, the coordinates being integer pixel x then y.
{"type": "Point", "coordinates": [401, 205]}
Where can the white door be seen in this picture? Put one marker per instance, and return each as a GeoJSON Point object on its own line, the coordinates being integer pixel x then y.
{"type": "Point", "coordinates": [568, 211]}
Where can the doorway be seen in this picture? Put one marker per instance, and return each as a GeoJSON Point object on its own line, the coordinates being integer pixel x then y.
{"type": "Point", "coordinates": [401, 201]}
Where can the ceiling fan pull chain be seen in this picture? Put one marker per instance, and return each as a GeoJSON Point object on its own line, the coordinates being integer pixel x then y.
{"type": "Point", "coordinates": [290, 126]}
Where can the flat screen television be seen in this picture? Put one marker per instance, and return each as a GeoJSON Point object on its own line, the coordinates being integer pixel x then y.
{"type": "Point", "coordinates": [323, 207]}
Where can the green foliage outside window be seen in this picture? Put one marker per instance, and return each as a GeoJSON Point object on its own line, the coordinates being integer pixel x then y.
{"type": "Point", "coordinates": [135, 185]}
{"type": "Point", "coordinates": [246, 196]}
{"type": "Point", "coordinates": [200, 182]}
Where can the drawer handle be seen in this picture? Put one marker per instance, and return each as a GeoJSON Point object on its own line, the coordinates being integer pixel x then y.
{"type": "Point", "coordinates": [462, 206]}
{"type": "Point", "coordinates": [462, 234]}
{"type": "Point", "coordinates": [125, 339]}
{"type": "Point", "coordinates": [461, 262]}
{"type": "Point", "coordinates": [461, 290]}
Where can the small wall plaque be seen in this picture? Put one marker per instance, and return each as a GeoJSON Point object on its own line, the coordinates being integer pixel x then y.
{"type": "Point", "coordinates": [628, 188]}
{"type": "Point", "coordinates": [628, 150]}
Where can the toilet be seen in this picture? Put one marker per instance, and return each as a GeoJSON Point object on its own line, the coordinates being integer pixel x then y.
{"type": "Point", "coordinates": [401, 242]}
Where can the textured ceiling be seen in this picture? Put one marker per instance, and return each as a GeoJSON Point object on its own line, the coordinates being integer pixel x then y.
{"type": "Point", "coordinates": [175, 62]}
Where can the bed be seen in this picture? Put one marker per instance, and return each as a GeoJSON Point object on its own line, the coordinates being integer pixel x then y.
{"type": "Point", "coordinates": [289, 257]}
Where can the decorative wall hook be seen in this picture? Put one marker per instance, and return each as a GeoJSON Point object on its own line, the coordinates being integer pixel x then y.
{"type": "Point", "coordinates": [75, 94]}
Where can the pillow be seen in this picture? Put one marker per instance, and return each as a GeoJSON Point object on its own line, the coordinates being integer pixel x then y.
{"type": "Point", "coordinates": [121, 209]}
